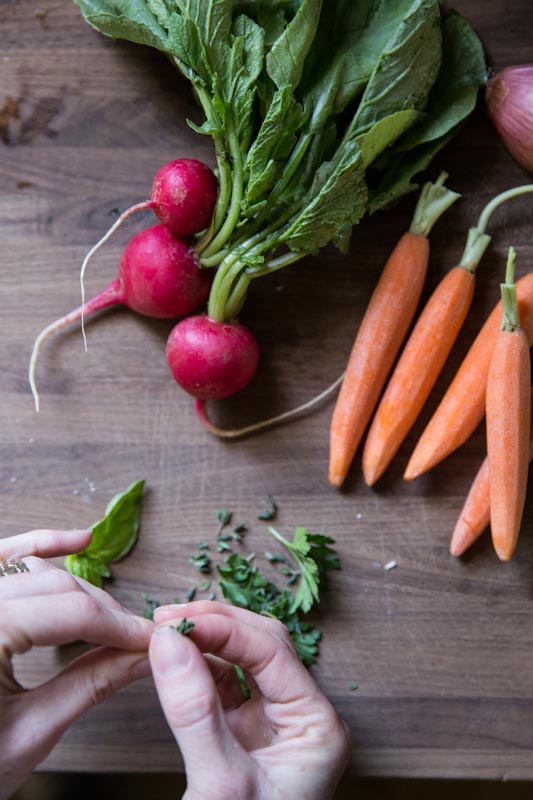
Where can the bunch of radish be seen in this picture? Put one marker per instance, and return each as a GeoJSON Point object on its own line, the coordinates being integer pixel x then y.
{"type": "Point", "coordinates": [160, 276]}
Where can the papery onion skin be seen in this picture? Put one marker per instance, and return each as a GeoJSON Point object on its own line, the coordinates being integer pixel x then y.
{"type": "Point", "coordinates": [509, 97]}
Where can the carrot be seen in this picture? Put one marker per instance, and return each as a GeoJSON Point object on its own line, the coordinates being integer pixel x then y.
{"type": "Point", "coordinates": [508, 422]}
{"type": "Point", "coordinates": [383, 329]}
{"type": "Point", "coordinates": [417, 370]}
{"type": "Point", "coordinates": [463, 406]}
{"type": "Point", "coordinates": [475, 514]}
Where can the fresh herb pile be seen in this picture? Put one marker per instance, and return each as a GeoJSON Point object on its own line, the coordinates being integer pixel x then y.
{"type": "Point", "coordinates": [242, 583]}
{"type": "Point", "coordinates": [319, 112]}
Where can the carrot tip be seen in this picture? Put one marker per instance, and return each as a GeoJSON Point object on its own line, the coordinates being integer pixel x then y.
{"type": "Point", "coordinates": [336, 480]}
{"type": "Point", "coordinates": [503, 553]}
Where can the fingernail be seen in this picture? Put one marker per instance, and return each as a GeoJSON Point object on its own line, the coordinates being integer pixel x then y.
{"type": "Point", "coordinates": [169, 612]}
{"type": "Point", "coordinates": [172, 651]}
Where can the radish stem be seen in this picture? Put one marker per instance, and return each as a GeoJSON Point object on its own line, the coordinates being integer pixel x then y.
{"type": "Point", "coordinates": [97, 246]}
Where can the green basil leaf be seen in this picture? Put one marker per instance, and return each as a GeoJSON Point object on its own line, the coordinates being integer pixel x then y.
{"type": "Point", "coordinates": [114, 535]}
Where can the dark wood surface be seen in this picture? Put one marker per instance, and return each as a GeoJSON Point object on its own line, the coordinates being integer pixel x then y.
{"type": "Point", "coordinates": [441, 649]}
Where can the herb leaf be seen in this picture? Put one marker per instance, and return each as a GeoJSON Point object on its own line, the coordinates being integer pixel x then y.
{"type": "Point", "coordinates": [313, 556]}
{"type": "Point", "coordinates": [113, 537]}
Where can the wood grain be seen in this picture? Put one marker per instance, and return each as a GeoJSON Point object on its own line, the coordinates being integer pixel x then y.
{"type": "Point", "coordinates": [441, 649]}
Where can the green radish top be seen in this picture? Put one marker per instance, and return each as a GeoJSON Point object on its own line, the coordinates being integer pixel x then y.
{"type": "Point", "coordinates": [510, 314]}
{"type": "Point", "coordinates": [308, 137]}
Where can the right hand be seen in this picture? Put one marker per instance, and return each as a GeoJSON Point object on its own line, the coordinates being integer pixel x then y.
{"type": "Point", "coordinates": [286, 741]}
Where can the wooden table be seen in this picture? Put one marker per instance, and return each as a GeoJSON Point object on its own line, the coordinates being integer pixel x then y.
{"type": "Point", "coordinates": [442, 649]}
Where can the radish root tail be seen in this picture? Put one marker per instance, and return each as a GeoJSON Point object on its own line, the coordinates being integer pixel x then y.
{"type": "Point", "coordinates": [44, 334]}
{"type": "Point", "coordinates": [125, 214]}
{"type": "Point", "coordinates": [201, 411]}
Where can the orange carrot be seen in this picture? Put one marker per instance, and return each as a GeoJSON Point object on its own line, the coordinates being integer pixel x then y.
{"type": "Point", "coordinates": [463, 406]}
{"type": "Point", "coordinates": [417, 370]}
{"type": "Point", "coordinates": [383, 329]}
{"type": "Point", "coordinates": [475, 514]}
{"type": "Point", "coordinates": [508, 422]}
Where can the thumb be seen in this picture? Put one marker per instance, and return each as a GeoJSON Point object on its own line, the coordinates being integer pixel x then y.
{"type": "Point", "coordinates": [192, 707]}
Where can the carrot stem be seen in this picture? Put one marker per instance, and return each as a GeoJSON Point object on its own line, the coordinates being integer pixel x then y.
{"type": "Point", "coordinates": [497, 201]}
{"type": "Point", "coordinates": [434, 200]}
{"type": "Point", "coordinates": [510, 315]}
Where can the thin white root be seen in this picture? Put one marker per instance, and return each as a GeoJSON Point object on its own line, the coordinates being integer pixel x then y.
{"type": "Point", "coordinates": [97, 246]}
{"type": "Point", "coordinates": [267, 423]}
{"type": "Point", "coordinates": [54, 326]}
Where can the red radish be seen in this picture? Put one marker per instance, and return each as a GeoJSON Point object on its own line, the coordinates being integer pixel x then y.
{"type": "Point", "coordinates": [184, 193]}
{"type": "Point", "coordinates": [158, 276]}
{"type": "Point", "coordinates": [211, 360]}
{"type": "Point", "coordinates": [183, 197]}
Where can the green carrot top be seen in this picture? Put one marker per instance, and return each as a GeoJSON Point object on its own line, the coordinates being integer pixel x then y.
{"type": "Point", "coordinates": [510, 315]}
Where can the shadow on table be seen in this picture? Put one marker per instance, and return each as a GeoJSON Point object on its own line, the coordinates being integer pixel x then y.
{"type": "Point", "coordinates": [142, 787]}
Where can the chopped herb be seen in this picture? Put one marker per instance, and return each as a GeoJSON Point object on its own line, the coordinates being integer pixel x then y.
{"type": "Point", "coordinates": [242, 680]}
{"type": "Point", "coordinates": [223, 547]}
{"type": "Point", "coordinates": [275, 558]}
{"type": "Point", "coordinates": [244, 585]}
{"type": "Point", "coordinates": [185, 627]}
{"type": "Point", "coordinates": [353, 686]}
{"type": "Point", "coordinates": [224, 516]}
{"type": "Point", "coordinates": [224, 537]}
{"type": "Point", "coordinates": [190, 594]}
{"type": "Point", "coordinates": [205, 586]}
{"type": "Point", "coordinates": [203, 545]}
{"type": "Point", "coordinates": [270, 511]}
{"type": "Point", "coordinates": [313, 556]}
{"type": "Point", "coordinates": [201, 562]}
{"type": "Point", "coordinates": [390, 565]}
{"type": "Point", "coordinates": [212, 596]}
{"type": "Point", "coordinates": [240, 528]}
{"type": "Point", "coordinates": [151, 604]}
{"type": "Point", "coordinates": [291, 574]}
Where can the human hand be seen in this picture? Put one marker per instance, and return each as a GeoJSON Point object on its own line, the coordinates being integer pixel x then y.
{"type": "Point", "coordinates": [286, 741]}
{"type": "Point", "coordinates": [47, 606]}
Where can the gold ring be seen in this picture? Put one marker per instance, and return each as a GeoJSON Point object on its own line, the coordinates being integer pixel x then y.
{"type": "Point", "coordinates": [13, 566]}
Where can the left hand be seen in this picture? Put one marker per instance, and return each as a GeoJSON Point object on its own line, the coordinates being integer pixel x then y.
{"type": "Point", "coordinates": [44, 607]}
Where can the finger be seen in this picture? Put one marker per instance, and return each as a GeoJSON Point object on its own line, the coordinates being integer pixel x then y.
{"type": "Point", "coordinates": [44, 543]}
{"type": "Point", "coordinates": [193, 609]}
{"type": "Point", "coordinates": [68, 617]}
{"type": "Point", "coordinates": [269, 658]}
{"type": "Point", "coordinates": [49, 709]}
{"type": "Point", "coordinates": [192, 707]}
{"type": "Point", "coordinates": [231, 692]}
{"type": "Point", "coordinates": [44, 579]}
